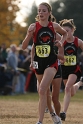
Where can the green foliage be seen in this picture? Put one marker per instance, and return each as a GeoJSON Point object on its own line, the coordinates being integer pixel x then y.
{"type": "Point", "coordinates": [35, 97]}
{"type": "Point", "coordinates": [26, 97]}
{"type": "Point", "coordinates": [78, 96]}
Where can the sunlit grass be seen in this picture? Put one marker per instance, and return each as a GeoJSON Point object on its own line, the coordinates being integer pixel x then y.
{"type": "Point", "coordinates": [77, 97]}
{"type": "Point", "coordinates": [34, 96]}
{"type": "Point", "coordinates": [25, 97]}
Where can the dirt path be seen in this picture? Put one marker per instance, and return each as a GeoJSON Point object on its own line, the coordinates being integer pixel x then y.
{"type": "Point", "coordinates": [23, 112]}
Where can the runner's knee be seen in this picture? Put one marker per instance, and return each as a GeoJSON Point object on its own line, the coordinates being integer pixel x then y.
{"type": "Point", "coordinates": [67, 89]}
{"type": "Point", "coordinates": [42, 91]}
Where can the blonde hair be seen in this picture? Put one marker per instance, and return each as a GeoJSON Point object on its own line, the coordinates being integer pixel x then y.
{"type": "Point", "coordinates": [51, 17]}
{"type": "Point", "coordinates": [69, 23]}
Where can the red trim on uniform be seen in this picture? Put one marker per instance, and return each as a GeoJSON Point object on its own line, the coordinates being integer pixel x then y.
{"type": "Point", "coordinates": [38, 26]}
{"type": "Point", "coordinates": [64, 42]}
{"type": "Point", "coordinates": [76, 41]}
{"type": "Point", "coordinates": [55, 65]}
{"type": "Point", "coordinates": [34, 71]}
{"type": "Point", "coordinates": [77, 69]}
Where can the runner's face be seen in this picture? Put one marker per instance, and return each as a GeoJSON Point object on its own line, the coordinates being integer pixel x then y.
{"type": "Point", "coordinates": [69, 30]}
{"type": "Point", "coordinates": [43, 12]}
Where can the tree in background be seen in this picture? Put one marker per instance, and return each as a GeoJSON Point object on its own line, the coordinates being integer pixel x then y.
{"type": "Point", "coordinates": [70, 9]}
{"type": "Point", "coordinates": [31, 17]}
{"type": "Point", "coordinates": [10, 31]}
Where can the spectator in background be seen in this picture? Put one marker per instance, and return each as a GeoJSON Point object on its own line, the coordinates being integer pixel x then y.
{"type": "Point", "coordinates": [5, 75]}
{"type": "Point", "coordinates": [23, 72]}
{"type": "Point", "coordinates": [3, 53]}
{"type": "Point", "coordinates": [5, 81]}
{"type": "Point", "coordinates": [12, 63]}
{"type": "Point", "coordinates": [27, 58]}
{"type": "Point", "coordinates": [26, 64]}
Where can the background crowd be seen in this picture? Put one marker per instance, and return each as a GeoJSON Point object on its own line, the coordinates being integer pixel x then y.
{"type": "Point", "coordinates": [15, 74]}
{"type": "Point", "coordinates": [16, 77]}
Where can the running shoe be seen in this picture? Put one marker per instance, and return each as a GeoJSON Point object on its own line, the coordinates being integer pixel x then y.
{"type": "Point", "coordinates": [63, 116]}
{"type": "Point", "coordinates": [56, 119]}
{"type": "Point", "coordinates": [38, 123]}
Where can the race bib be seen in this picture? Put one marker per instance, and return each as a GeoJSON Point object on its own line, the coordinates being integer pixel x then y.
{"type": "Point", "coordinates": [43, 50]}
{"type": "Point", "coordinates": [70, 60]}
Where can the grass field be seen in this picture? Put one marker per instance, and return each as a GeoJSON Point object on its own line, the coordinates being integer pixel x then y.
{"type": "Point", "coordinates": [23, 109]}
